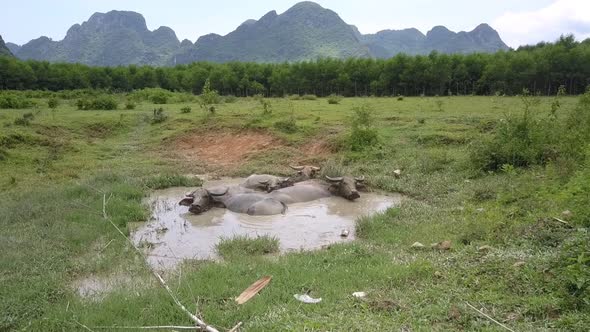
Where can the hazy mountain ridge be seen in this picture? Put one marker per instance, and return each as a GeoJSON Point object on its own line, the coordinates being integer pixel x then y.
{"type": "Point", "coordinates": [114, 38]}
{"type": "Point", "coordinates": [306, 31]}
{"type": "Point", "coordinates": [4, 50]}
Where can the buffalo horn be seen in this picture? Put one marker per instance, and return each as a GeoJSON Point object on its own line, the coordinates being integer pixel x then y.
{"type": "Point", "coordinates": [339, 179]}
{"type": "Point", "coordinates": [297, 168]}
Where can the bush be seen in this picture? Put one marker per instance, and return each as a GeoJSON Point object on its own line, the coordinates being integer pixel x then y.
{"type": "Point", "coordinates": [288, 126]}
{"type": "Point", "coordinates": [529, 139]}
{"type": "Point", "coordinates": [99, 103]}
{"type": "Point", "coordinates": [266, 106]}
{"type": "Point", "coordinates": [159, 115]}
{"type": "Point", "coordinates": [159, 98]}
{"type": "Point", "coordinates": [25, 120]}
{"type": "Point", "coordinates": [334, 99]}
{"type": "Point", "coordinates": [53, 103]}
{"type": "Point", "coordinates": [186, 109]}
{"type": "Point", "coordinates": [14, 101]}
{"type": "Point", "coordinates": [129, 105]}
{"type": "Point", "coordinates": [309, 97]}
{"type": "Point", "coordinates": [363, 134]}
{"type": "Point", "coordinates": [295, 97]}
{"type": "Point", "coordinates": [209, 96]}
{"type": "Point", "coordinates": [400, 98]}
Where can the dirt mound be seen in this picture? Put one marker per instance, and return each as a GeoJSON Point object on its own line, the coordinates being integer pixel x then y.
{"type": "Point", "coordinates": [224, 149]}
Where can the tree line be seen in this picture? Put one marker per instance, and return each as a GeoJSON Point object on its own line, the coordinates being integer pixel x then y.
{"type": "Point", "coordinates": [541, 69]}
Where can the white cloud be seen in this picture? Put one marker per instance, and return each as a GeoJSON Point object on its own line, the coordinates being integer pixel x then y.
{"type": "Point", "coordinates": [545, 24]}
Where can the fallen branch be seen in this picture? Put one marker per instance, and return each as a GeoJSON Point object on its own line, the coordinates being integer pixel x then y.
{"type": "Point", "coordinates": [562, 221]}
{"type": "Point", "coordinates": [236, 328]}
{"type": "Point", "coordinates": [490, 318]}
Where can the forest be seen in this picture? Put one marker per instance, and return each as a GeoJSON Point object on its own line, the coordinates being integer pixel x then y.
{"type": "Point", "coordinates": [541, 69]}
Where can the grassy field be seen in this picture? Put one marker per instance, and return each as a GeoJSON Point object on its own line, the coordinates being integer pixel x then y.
{"type": "Point", "coordinates": [509, 257]}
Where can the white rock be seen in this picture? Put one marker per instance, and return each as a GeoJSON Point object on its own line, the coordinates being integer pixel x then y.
{"type": "Point", "coordinates": [359, 295]}
{"type": "Point", "coordinates": [307, 299]}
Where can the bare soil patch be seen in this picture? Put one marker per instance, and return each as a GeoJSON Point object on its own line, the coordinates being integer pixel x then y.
{"type": "Point", "coordinates": [224, 149]}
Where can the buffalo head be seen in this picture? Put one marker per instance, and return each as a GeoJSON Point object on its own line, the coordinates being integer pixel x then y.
{"type": "Point", "coordinates": [275, 183]}
{"type": "Point", "coordinates": [346, 187]}
{"type": "Point", "coordinates": [201, 200]}
{"type": "Point", "coordinates": [305, 172]}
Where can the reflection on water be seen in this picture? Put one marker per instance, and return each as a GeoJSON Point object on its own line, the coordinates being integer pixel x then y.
{"type": "Point", "coordinates": [174, 234]}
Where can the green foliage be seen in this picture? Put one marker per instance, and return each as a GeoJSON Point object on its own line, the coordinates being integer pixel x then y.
{"type": "Point", "coordinates": [240, 246]}
{"type": "Point", "coordinates": [575, 270]}
{"type": "Point", "coordinates": [104, 102]}
{"type": "Point", "coordinates": [53, 103]}
{"type": "Point", "coordinates": [266, 106]}
{"type": "Point", "coordinates": [363, 134]}
{"type": "Point", "coordinates": [209, 96]}
{"type": "Point", "coordinates": [13, 100]}
{"type": "Point", "coordinates": [289, 124]}
{"type": "Point", "coordinates": [439, 104]}
{"type": "Point", "coordinates": [309, 97]}
{"type": "Point", "coordinates": [295, 97]}
{"type": "Point", "coordinates": [25, 120]}
{"type": "Point", "coordinates": [334, 99]}
{"type": "Point", "coordinates": [160, 97]}
{"type": "Point", "coordinates": [530, 139]}
{"type": "Point", "coordinates": [186, 110]}
{"type": "Point", "coordinates": [158, 115]}
{"type": "Point", "coordinates": [130, 105]}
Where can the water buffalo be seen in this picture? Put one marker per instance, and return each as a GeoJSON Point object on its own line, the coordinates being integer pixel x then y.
{"type": "Point", "coordinates": [266, 182]}
{"type": "Point", "coordinates": [311, 190]}
{"type": "Point", "coordinates": [304, 173]}
{"type": "Point", "coordinates": [235, 198]}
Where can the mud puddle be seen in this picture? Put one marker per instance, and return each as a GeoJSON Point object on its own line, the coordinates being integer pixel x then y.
{"type": "Point", "coordinates": [173, 234]}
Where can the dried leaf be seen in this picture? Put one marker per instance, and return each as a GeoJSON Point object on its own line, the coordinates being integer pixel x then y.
{"type": "Point", "coordinates": [253, 290]}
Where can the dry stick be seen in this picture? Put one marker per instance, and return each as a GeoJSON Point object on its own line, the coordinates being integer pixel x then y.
{"type": "Point", "coordinates": [490, 318]}
{"type": "Point", "coordinates": [235, 328]}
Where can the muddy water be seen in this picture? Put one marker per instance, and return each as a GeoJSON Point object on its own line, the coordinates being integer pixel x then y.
{"type": "Point", "coordinates": [173, 234]}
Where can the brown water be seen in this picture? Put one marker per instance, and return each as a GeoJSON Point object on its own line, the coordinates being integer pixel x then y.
{"type": "Point", "coordinates": [174, 234]}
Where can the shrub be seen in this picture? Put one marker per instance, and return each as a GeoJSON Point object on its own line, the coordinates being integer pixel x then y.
{"type": "Point", "coordinates": [334, 99]}
{"type": "Point", "coordinates": [130, 105]}
{"type": "Point", "coordinates": [529, 139]}
{"type": "Point", "coordinates": [400, 98]}
{"type": "Point", "coordinates": [99, 103]}
{"type": "Point", "coordinates": [14, 101]}
{"type": "Point", "coordinates": [309, 97]}
{"type": "Point", "coordinates": [25, 120]}
{"type": "Point", "coordinates": [288, 125]}
{"type": "Point", "coordinates": [439, 105]}
{"type": "Point", "coordinates": [266, 106]}
{"type": "Point", "coordinates": [186, 109]}
{"type": "Point", "coordinates": [159, 98]}
{"type": "Point", "coordinates": [53, 103]}
{"type": "Point", "coordinates": [209, 96]}
{"type": "Point", "coordinates": [363, 134]}
{"type": "Point", "coordinates": [158, 115]}
{"type": "Point", "coordinates": [295, 97]}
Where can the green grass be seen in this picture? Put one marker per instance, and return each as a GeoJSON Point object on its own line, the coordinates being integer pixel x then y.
{"type": "Point", "coordinates": [55, 171]}
{"type": "Point", "coordinates": [240, 246]}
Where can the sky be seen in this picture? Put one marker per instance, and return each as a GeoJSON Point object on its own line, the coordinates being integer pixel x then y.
{"type": "Point", "coordinates": [518, 22]}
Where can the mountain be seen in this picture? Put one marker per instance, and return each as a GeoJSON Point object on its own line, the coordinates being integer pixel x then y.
{"type": "Point", "coordinates": [4, 49]}
{"type": "Point", "coordinates": [111, 39]}
{"type": "Point", "coordinates": [13, 47]}
{"type": "Point", "coordinates": [305, 31]}
{"type": "Point", "coordinates": [388, 43]}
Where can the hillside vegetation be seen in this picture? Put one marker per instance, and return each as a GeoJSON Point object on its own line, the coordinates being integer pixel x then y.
{"type": "Point", "coordinates": [541, 69]}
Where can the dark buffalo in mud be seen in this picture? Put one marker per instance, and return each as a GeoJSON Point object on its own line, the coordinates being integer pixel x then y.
{"type": "Point", "coordinates": [266, 182]}
{"type": "Point", "coordinates": [235, 198]}
{"type": "Point", "coordinates": [243, 200]}
{"type": "Point", "coordinates": [311, 190]}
